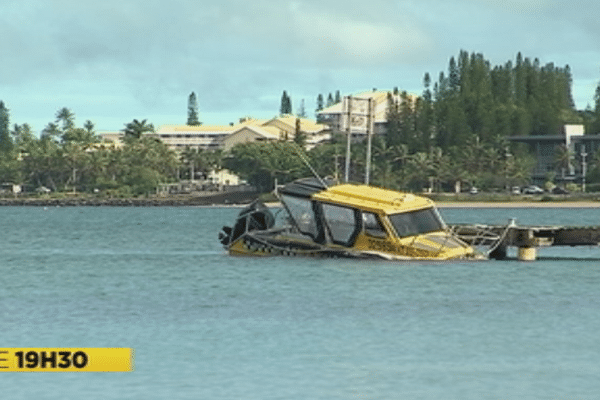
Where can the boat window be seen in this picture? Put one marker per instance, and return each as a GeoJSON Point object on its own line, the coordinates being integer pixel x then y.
{"type": "Point", "coordinates": [341, 223]}
{"type": "Point", "coordinates": [372, 226]}
{"type": "Point", "coordinates": [417, 222]}
{"type": "Point", "coordinates": [301, 211]}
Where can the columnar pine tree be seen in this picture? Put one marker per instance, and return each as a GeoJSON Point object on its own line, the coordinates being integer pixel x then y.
{"type": "Point", "coordinates": [425, 128]}
{"type": "Point", "coordinates": [595, 113]}
{"type": "Point", "coordinates": [491, 103]}
{"type": "Point", "coordinates": [302, 110]}
{"type": "Point", "coordinates": [192, 118]}
{"type": "Point", "coordinates": [286, 104]}
{"type": "Point", "coordinates": [393, 132]}
{"type": "Point", "coordinates": [338, 97]}
{"type": "Point", "coordinates": [6, 143]}
{"type": "Point", "coordinates": [330, 100]}
{"type": "Point", "coordinates": [299, 135]}
{"type": "Point", "coordinates": [320, 103]}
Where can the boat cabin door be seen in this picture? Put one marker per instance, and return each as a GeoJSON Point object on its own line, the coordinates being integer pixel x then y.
{"type": "Point", "coordinates": [324, 222]}
{"type": "Point", "coordinates": [341, 224]}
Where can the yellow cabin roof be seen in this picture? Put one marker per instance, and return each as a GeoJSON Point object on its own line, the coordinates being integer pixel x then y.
{"type": "Point", "coordinates": [373, 199]}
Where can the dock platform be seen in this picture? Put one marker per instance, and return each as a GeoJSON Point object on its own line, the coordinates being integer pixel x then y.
{"type": "Point", "coordinates": [527, 239]}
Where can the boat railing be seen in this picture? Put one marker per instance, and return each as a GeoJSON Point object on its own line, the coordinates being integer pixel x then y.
{"type": "Point", "coordinates": [488, 239]}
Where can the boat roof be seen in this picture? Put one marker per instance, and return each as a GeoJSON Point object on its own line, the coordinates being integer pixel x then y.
{"type": "Point", "coordinates": [364, 197]}
{"type": "Point", "coordinates": [306, 187]}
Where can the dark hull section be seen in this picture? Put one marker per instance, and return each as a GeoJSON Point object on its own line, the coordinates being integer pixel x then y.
{"type": "Point", "coordinates": [273, 244]}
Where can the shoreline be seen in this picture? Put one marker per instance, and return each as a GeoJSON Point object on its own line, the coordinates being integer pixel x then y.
{"type": "Point", "coordinates": [226, 201]}
{"type": "Point", "coordinates": [520, 204]}
{"type": "Point", "coordinates": [131, 202]}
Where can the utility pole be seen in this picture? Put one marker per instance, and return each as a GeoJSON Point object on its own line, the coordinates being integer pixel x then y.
{"type": "Point", "coordinates": [347, 106]}
{"type": "Point", "coordinates": [335, 165]}
{"type": "Point", "coordinates": [583, 168]}
{"type": "Point", "coordinates": [370, 118]}
{"type": "Point", "coordinates": [358, 115]}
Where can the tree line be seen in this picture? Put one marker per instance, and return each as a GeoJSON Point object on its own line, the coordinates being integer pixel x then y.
{"type": "Point", "coordinates": [66, 157]}
{"type": "Point", "coordinates": [474, 99]}
{"type": "Point", "coordinates": [456, 132]}
{"type": "Point", "coordinates": [393, 166]}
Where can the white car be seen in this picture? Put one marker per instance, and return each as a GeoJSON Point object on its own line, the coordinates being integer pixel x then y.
{"type": "Point", "coordinates": [533, 189]}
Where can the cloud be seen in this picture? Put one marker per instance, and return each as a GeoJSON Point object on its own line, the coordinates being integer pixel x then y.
{"type": "Point", "coordinates": [342, 39]}
{"type": "Point", "coordinates": [240, 55]}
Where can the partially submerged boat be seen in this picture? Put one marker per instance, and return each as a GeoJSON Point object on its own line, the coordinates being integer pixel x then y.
{"type": "Point", "coordinates": [320, 218]}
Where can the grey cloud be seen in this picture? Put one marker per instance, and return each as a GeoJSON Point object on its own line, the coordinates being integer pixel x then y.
{"type": "Point", "coordinates": [242, 52]}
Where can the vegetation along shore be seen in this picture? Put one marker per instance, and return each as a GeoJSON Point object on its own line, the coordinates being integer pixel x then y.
{"type": "Point", "coordinates": [451, 137]}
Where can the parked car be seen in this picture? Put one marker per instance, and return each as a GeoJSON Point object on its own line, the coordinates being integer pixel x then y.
{"type": "Point", "coordinates": [43, 189]}
{"type": "Point", "coordinates": [533, 189]}
{"type": "Point", "coordinates": [474, 190]}
{"type": "Point", "coordinates": [516, 190]}
{"type": "Point", "coordinates": [559, 190]}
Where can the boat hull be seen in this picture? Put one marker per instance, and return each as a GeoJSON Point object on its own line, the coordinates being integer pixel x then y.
{"type": "Point", "coordinates": [267, 244]}
{"type": "Point", "coordinates": [350, 221]}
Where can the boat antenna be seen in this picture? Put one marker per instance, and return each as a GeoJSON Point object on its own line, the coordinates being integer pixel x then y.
{"type": "Point", "coordinates": [302, 157]}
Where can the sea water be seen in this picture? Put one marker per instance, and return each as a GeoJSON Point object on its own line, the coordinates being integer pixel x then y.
{"type": "Point", "coordinates": [205, 325]}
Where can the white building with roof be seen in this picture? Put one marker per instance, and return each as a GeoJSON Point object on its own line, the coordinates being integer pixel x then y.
{"type": "Point", "coordinates": [214, 137]}
{"type": "Point", "coordinates": [206, 137]}
{"type": "Point", "coordinates": [252, 133]}
{"type": "Point", "coordinates": [334, 116]}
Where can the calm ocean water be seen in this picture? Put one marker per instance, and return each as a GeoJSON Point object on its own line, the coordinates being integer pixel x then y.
{"type": "Point", "coordinates": [208, 326]}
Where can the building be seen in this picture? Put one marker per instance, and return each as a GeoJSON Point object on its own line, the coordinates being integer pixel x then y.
{"type": "Point", "coordinates": [224, 178]}
{"type": "Point", "coordinates": [547, 147]}
{"type": "Point", "coordinates": [214, 137]}
{"type": "Point", "coordinates": [111, 137]}
{"type": "Point", "coordinates": [252, 133]}
{"type": "Point", "coordinates": [248, 130]}
{"type": "Point", "coordinates": [316, 133]}
{"type": "Point", "coordinates": [335, 117]}
{"type": "Point", "coordinates": [206, 137]}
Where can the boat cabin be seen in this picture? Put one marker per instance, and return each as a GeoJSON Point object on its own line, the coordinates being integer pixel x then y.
{"type": "Point", "coordinates": [341, 214]}
{"type": "Point", "coordinates": [345, 220]}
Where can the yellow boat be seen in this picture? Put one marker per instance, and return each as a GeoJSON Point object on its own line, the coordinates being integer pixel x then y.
{"type": "Point", "coordinates": [321, 218]}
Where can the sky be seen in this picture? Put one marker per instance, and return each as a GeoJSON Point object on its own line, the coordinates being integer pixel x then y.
{"type": "Point", "coordinates": [114, 61]}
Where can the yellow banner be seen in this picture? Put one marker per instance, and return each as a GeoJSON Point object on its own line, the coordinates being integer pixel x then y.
{"type": "Point", "coordinates": [70, 359]}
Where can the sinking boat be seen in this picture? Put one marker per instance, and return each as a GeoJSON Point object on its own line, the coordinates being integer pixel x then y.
{"type": "Point", "coordinates": [323, 219]}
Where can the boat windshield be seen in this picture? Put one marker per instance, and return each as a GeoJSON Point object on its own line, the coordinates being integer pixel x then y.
{"type": "Point", "coordinates": [417, 222]}
{"type": "Point", "coordinates": [301, 211]}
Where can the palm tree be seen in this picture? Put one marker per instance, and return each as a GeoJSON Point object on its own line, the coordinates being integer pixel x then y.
{"type": "Point", "coordinates": [382, 166]}
{"type": "Point", "coordinates": [563, 157]}
{"type": "Point", "coordinates": [67, 117]}
{"type": "Point", "coordinates": [399, 157]}
{"type": "Point", "coordinates": [420, 165]}
{"type": "Point", "coordinates": [76, 162]}
{"type": "Point", "coordinates": [51, 130]}
{"type": "Point", "coordinates": [135, 129]}
{"type": "Point", "coordinates": [215, 159]}
{"type": "Point", "coordinates": [195, 158]}
{"type": "Point", "coordinates": [98, 163]}
{"type": "Point", "coordinates": [89, 127]}
{"type": "Point", "coordinates": [439, 167]}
